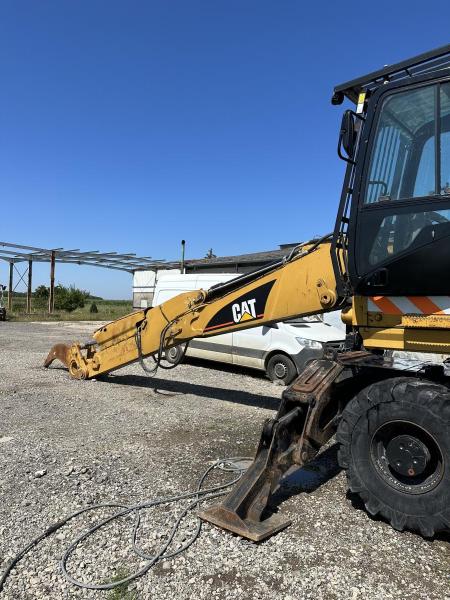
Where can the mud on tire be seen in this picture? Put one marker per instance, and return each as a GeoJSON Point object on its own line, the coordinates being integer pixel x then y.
{"type": "Point", "coordinates": [394, 441]}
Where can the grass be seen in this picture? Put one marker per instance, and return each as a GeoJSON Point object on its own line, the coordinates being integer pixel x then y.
{"type": "Point", "coordinates": [121, 592]}
{"type": "Point", "coordinates": [108, 310]}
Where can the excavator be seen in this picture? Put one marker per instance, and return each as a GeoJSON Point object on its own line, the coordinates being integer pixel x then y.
{"type": "Point", "coordinates": [386, 267]}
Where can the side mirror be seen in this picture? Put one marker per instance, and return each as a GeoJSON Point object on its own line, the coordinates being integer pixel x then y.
{"type": "Point", "coordinates": [348, 132]}
{"type": "Point", "coordinates": [347, 136]}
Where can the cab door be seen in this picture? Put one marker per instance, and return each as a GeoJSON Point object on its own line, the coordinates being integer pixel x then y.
{"type": "Point", "coordinates": [400, 225]}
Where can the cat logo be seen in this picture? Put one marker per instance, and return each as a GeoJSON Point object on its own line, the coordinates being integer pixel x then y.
{"type": "Point", "coordinates": [242, 308]}
{"type": "Point", "coordinates": [244, 311]}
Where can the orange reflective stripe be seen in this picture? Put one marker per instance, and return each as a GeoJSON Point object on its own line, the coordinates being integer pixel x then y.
{"type": "Point", "coordinates": [425, 305]}
{"type": "Point", "coordinates": [386, 306]}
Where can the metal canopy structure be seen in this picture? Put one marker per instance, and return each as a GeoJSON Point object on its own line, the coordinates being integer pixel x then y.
{"type": "Point", "coordinates": [18, 253]}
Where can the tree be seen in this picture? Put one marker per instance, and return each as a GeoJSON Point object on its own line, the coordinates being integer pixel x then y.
{"type": "Point", "coordinates": [210, 254]}
{"type": "Point", "coordinates": [42, 291]}
{"type": "Point", "coordinates": [69, 298]}
{"type": "Point", "coordinates": [41, 294]}
{"type": "Point", "coordinates": [66, 298]}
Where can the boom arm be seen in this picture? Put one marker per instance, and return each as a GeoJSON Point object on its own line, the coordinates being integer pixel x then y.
{"type": "Point", "coordinates": [302, 284]}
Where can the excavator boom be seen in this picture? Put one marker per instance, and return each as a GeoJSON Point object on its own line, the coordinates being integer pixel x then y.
{"type": "Point", "coordinates": [301, 284]}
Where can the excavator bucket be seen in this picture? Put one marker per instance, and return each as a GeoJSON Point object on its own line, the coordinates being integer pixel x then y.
{"type": "Point", "coordinates": [71, 357]}
{"type": "Point", "coordinates": [60, 352]}
{"type": "Point", "coordinates": [302, 425]}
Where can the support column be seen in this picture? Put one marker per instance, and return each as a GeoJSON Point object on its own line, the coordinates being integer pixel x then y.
{"type": "Point", "coordinates": [30, 280]}
{"type": "Point", "coordinates": [51, 297]}
{"type": "Point", "coordinates": [10, 287]}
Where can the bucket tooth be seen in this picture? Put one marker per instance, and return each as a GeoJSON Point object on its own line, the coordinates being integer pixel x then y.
{"type": "Point", "coordinates": [60, 352]}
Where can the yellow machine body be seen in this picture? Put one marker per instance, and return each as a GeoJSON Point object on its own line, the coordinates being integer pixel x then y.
{"type": "Point", "coordinates": [382, 324]}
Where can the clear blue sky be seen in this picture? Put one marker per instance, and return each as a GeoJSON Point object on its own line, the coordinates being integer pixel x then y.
{"type": "Point", "coordinates": [128, 126]}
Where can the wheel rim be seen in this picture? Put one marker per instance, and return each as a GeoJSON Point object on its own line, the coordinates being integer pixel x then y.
{"type": "Point", "coordinates": [407, 457]}
{"type": "Point", "coordinates": [173, 352]}
{"type": "Point", "coordinates": [280, 370]}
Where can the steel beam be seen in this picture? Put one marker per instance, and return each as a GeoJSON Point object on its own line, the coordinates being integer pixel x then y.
{"type": "Point", "coordinates": [51, 297]}
{"type": "Point", "coordinates": [10, 286]}
{"type": "Point", "coordinates": [110, 260]}
{"type": "Point", "coordinates": [30, 282]}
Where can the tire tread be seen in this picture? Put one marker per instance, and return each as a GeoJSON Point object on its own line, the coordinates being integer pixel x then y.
{"type": "Point", "coordinates": [436, 398]}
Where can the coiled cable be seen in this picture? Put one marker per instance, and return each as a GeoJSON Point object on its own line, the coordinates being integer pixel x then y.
{"type": "Point", "coordinates": [236, 465]}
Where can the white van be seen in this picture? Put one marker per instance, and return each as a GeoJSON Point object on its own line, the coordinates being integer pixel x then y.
{"type": "Point", "coordinates": [281, 349]}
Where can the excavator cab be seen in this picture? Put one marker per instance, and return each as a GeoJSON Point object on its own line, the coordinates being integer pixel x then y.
{"type": "Point", "coordinates": [399, 209]}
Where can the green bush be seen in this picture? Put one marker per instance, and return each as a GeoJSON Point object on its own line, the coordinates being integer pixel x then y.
{"type": "Point", "coordinates": [40, 296]}
{"type": "Point", "coordinates": [42, 291]}
{"type": "Point", "coordinates": [69, 298]}
{"type": "Point", "coordinates": [66, 298]}
{"type": "Point", "coordinates": [93, 308]}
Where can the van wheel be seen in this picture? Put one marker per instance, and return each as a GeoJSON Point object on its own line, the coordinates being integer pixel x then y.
{"type": "Point", "coordinates": [175, 355]}
{"type": "Point", "coordinates": [281, 369]}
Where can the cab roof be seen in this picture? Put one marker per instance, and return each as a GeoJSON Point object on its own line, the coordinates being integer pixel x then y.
{"type": "Point", "coordinates": [427, 62]}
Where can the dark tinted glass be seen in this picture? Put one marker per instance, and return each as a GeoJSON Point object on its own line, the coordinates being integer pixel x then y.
{"type": "Point", "coordinates": [445, 139]}
{"type": "Point", "coordinates": [397, 233]}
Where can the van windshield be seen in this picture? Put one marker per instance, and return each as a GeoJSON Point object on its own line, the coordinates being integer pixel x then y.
{"type": "Point", "coordinates": [299, 321]}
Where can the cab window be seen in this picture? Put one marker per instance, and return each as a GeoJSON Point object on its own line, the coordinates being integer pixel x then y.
{"type": "Point", "coordinates": [410, 159]}
{"type": "Point", "coordinates": [403, 157]}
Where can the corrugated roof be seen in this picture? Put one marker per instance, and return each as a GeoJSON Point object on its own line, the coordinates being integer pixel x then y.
{"type": "Point", "coordinates": [255, 257]}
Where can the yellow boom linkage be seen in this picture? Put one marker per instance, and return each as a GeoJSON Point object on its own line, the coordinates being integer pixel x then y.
{"type": "Point", "coordinates": [302, 284]}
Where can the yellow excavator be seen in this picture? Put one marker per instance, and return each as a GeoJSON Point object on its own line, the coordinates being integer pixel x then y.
{"type": "Point", "coordinates": [386, 267]}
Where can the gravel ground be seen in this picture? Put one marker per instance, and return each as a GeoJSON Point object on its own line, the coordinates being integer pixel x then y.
{"type": "Point", "coordinates": [66, 444]}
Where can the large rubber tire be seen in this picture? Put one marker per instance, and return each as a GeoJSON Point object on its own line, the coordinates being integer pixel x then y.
{"type": "Point", "coordinates": [387, 409]}
{"type": "Point", "coordinates": [281, 369]}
